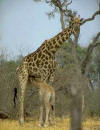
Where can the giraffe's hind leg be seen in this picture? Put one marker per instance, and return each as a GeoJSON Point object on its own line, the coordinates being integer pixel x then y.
{"type": "Point", "coordinates": [41, 109]}
{"type": "Point", "coordinates": [47, 108]}
{"type": "Point", "coordinates": [52, 110]}
{"type": "Point", "coordinates": [52, 119]}
{"type": "Point", "coordinates": [23, 83]}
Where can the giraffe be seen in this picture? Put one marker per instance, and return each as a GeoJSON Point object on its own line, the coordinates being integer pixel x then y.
{"type": "Point", "coordinates": [47, 101]}
{"type": "Point", "coordinates": [40, 64]}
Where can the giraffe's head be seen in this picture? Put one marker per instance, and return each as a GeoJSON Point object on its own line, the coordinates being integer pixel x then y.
{"type": "Point", "coordinates": [75, 24]}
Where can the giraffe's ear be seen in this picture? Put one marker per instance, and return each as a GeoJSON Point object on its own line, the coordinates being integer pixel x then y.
{"type": "Point", "coordinates": [81, 19]}
{"type": "Point", "coordinates": [78, 16]}
{"type": "Point", "coordinates": [78, 19]}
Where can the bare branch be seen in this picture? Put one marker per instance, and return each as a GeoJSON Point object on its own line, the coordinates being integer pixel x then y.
{"type": "Point", "coordinates": [4, 115]}
{"type": "Point", "coordinates": [69, 13]}
{"type": "Point", "coordinates": [90, 19]}
{"type": "Point", "coordinates": [96, 38]}
{"type": "Point", "coordinates": [87, 57]}
{"type": "Point", "coordinates": [69, 3]}
{"type": "Point", "coordinates": [58, 4]}
{"type": "Point", "coordinates": [91, 85]}
{"type": "Point", "coordinates": [88, 53]}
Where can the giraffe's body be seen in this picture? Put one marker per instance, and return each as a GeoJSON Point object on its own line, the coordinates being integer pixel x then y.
{"type": "Point", "coordinates": [41, 64]}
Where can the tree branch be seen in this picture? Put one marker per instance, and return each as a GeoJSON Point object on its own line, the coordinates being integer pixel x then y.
{"type": "Point", "coordinates": [58, 4]}
{"type": "Point", "coordinates": [90, 19]}
{"type": "Point", "coordinates": [87, 56]}
{"type": "Point", "coordinates": [69, 13]}
{"type": "Point", "coordinates": [88, 53]}
{"type": "Point", "coordinates": [91, 85]}
{"type": "Point", "coordinates": [4, 115]}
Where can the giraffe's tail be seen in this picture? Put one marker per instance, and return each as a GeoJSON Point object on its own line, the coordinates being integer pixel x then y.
{"type": "Point", "coordinates": [52, 112]}
{"type": "Point", "coordinates": [53, 101]}
{"type": "Point", "coordinates": [18, 69]}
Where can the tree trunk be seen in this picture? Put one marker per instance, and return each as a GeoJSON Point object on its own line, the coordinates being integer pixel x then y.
{"type": "Point", "coordinates": [62, 20]}
{"type": "Point", "coordinates": [76, 105]}
{"type": "Point", "coordinates": [76, 112]}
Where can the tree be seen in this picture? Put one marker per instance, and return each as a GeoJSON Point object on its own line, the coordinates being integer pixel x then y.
{"type": "Point", "coordinates": [61, 6]}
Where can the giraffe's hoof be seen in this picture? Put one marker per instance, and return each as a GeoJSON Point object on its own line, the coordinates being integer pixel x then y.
{"type": "Point", "coordinates": [46, 125]}
{"type": "Point", "coordinates": [40, 125]}
{"type": "Point", "coordinates": [21, 122]}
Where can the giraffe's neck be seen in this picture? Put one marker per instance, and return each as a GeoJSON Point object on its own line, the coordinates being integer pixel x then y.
{"type": "Point", "coordinates": [55, 43]}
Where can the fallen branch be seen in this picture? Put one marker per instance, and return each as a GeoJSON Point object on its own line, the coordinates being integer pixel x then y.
{"type": "Point", "coordinates": [4, 115]}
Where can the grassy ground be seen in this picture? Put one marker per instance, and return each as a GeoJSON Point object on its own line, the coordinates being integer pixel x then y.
{"type": "Point", "coordinates": [61, 124]}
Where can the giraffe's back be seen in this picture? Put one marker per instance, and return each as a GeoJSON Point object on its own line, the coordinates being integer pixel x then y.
{"type": "Point", "coordinates": [39, 64]}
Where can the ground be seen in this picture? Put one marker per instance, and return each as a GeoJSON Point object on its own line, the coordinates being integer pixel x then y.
{"type": "Point", "coordinates": [61, 124]}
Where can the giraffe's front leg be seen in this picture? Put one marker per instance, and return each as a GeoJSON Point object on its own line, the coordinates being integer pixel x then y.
{"type": "Point", "coordinates": [41, 108]}
{"type": "Point", "coordinates": [21, 118]}
{"type": "Point", "coordinates": [23, 83]}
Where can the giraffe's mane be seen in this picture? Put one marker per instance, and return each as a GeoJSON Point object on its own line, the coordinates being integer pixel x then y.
{"type": "Point", "coordinates": [33, 53]}
{"type": "Point", "coordinates": [38, 49]}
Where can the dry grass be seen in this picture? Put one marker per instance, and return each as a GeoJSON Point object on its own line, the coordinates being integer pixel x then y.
{"type": "Point", "coordinates": [61, 124]}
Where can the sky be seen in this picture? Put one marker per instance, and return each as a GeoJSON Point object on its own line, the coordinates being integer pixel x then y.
{"type": "Point", "coordinates": [24, 24]}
